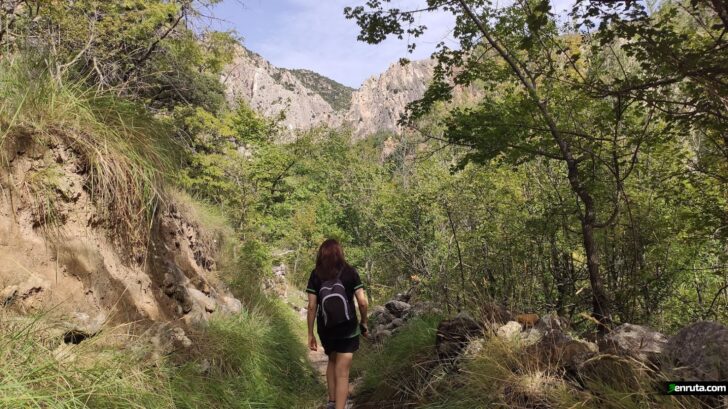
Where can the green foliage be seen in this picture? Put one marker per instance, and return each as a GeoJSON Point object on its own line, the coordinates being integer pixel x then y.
{"type": "Point", "coordinates": [144, 49]}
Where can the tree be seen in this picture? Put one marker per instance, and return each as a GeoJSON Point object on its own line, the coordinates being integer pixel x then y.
{"type": "Point", "coordinates": [537, 101]}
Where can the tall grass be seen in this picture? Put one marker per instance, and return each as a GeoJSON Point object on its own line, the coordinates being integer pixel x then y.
{"type": "Point", "coordinates": [256, 361]}
{"type": "Point", "coordinates": [38, 371]}
{"type": "Point", "coordinates": [127, 151]}
{"type": "Point", "coordinates": [398, 373]}
{"type": "Point", "coordinates": [404, 373]}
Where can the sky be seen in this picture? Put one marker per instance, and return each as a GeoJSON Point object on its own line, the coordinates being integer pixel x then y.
{"type": "Point", "coordinates": [314, 34]}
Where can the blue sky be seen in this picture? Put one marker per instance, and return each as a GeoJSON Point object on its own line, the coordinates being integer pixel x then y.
{"type": "Point", "coordinates": [314, 34]}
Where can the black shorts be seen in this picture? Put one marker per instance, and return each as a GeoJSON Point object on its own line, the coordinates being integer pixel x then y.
{"type": "Point", "coordinates": [342, 345]}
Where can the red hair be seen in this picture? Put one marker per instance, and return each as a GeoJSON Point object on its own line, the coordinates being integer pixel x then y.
{"type": "Point", "coordinates": [329, 260]}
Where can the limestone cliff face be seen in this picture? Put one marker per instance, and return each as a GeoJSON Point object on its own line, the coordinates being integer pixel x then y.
{"type": "Point", "coordinates": [307, 99]}
{"type": "Point", "coordinates": [273, 91]}
{"type": "Point", "coordinates": [379, 103]}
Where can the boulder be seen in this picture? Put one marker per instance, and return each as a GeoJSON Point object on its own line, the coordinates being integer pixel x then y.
{"type": "Point", "coordinates": [232, 305]}
{"type": "Point", "coordinates": [552, 322]}
{"type": "Point", "coordinates": [531, 336]}
{"type": "Point", "coordinates": [618, 373]}
{"type": "Point", "coordinates": [381, 315]}
{"type": "Point", "coordinates": [398, 308]}
{"type": "Point", "coordinates": [699, 352]}
{"type": "Point", "coordinates": [202, 301]}
{"type": "Point", "coordinates": [396, 323]}
{"type": "Point", "coordinates": [532, 390]}
{"type": "Point", "coordinates": [556, 349]}
{"type": "Point", "coordinates": [510, 331]}
{"type": "Point", "coordinates": [380, 334]}
{"type": "Point", "coordinates": [474, 348]}
{"type": "Point", "coordinates": [637, 341]}
{"type": "Point", "coordinates": [454, 334]}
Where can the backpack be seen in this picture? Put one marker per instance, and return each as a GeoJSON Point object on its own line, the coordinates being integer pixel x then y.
{"type": "Point", "coordinates": [334, 302]}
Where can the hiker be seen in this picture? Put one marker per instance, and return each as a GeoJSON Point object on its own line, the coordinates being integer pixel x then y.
{"type": "Point", "coordinates": [331, 290]}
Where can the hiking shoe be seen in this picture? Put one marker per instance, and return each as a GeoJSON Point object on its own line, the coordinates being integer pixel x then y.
{"type": "Point", "coordinates": [331, 405]}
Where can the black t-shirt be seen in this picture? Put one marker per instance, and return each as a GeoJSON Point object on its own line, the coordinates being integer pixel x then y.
{"type": "Point", "coordinates": [352, 282]}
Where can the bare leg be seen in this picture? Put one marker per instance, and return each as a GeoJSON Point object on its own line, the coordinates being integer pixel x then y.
{"type": "Point", "coordinates": [343, 365]}
{"type": "Point", "coordinates": [331, 376]}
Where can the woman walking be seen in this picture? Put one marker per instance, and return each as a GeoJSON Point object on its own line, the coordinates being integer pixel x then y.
{"type": "Point", "coordinates": [331, 290]}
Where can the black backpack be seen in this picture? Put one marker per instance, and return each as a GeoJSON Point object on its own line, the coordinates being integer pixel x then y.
{"type": "Point", "coordinates": [334, 303]}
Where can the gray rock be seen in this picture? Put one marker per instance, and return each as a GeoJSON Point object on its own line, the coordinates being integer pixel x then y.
{"type": "Point", "coordinates": [398, 308]}
{"type": "Point", "coordinates": [381, 335]}
{"type": "Point", "coordinates": [556, 349]}
{"type": "Point", "coordinates": [404, 297]}
{"type": "Point", "coordinates": [232, 305]}
{"type": "Point", "coordinates": [510, 331]}
{"type": "Point", "coordinates": [396, 323]}
{"type": "Point", "coordinates": [531, 336]}
{"type": "Point", "coordinates": [179, 339]}
{"type": "Point", "coordinates": [700, 352]}
{"type": "Point", "coordinates": [204, 302]}
{"type": "Point", "coordinates": [637, 341]}
{"type": "Point", "coordinates": [552, 322]}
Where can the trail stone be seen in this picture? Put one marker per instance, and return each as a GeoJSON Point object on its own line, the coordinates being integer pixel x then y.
{"type": "Point", "coordinates": [637, 341]}
{"type": "Point", "coordinates": [179, 339]}
{"type": "Point", "coordinates": [700, 352]}
{"type": "Point", "coordinates": [398, 308]}
{"type": "Point", "coordinates": [510, 331]}
{"type": "Point", "coordinates": [381, 334]}
{"type": "Point", "coordinates": [453, 335]}
{"type": "Point", "coordinates": [396, 323]}
{"type": "Point", "coordinates": [552, 322]}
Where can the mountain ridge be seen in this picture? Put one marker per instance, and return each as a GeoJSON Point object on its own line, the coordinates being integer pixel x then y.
{"type": "Point", "coordinates": [304, 99]}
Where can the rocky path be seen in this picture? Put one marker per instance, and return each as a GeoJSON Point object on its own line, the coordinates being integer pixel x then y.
{"type": "Point", "coordinates": [298, 301]}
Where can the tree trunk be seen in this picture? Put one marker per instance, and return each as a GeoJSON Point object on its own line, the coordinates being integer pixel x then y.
{"type": "Point", "coordinates": [600, 303]}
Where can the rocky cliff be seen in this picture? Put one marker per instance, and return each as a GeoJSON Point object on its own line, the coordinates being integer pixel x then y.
{"type": "Point", "coordinates": [273, 92]}
{"type": "Point", "coordinates": [379, 103]}
{"type": "Point", "coordinates": [73, 266]}
{"type": "Point", "coordinates": [307, 99]}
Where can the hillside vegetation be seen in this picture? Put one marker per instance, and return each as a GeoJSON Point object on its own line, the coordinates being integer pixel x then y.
{"type": "Point", "coordinates": [336, 94]}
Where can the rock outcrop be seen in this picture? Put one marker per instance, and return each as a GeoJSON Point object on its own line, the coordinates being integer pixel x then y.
{"type": "Point", "coordinates": [75, 266]}
{"type": "Point", "coordinates": [381, 100]}
{"type": "Point", "coordinates": [276, 92]}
